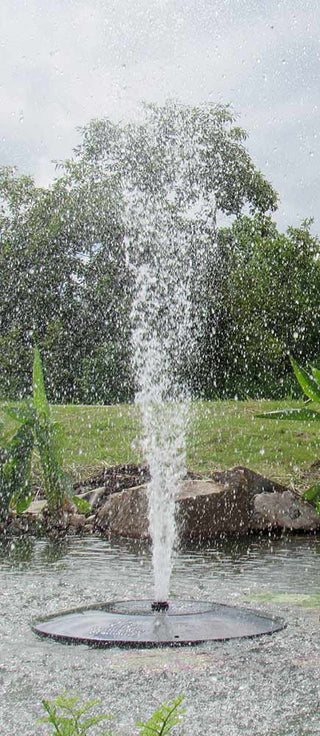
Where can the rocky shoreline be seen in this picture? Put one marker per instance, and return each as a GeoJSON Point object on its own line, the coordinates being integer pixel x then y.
{"type": "Point", "coordinates": [234, 502]}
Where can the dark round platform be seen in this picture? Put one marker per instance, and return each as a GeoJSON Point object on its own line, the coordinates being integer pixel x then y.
{"type": "Point", "coordinates": [135, 624]}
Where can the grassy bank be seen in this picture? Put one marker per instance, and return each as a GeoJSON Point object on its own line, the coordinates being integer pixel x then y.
{"type": "Point", "coordinates": [222, 434]}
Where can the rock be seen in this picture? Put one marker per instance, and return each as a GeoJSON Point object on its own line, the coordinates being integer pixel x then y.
{"type": "Point", "coordinates": [110, 480]}
{"type": "Point", "coordinates": [91, 519]}
{"type": "Point", "coordinates": [255, 483]}
{"type": "Point", "coordinates": [76, 522]}
{"type": "Point", "coordinates": [271, 505]}
{"type": "Point", "coordinates": [88, 528]}
{"type": "Point", "coordinates": [55, 524]}
{"type": "Point", "coordinates": [204, 509]}
{"type": "Point", "coordinates": [21, 525]}
{"type": "Point", "coordinates": [236, 501]}
{"type": "Point", "coordinates": [287, 510]}
{"type": "Point", "coordinates": [125, 514]}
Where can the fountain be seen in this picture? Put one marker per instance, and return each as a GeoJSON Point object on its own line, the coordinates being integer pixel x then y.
{"type": "Point", "coordinates": [164, 320]}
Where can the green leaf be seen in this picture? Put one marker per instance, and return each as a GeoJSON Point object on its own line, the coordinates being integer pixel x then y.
{"type": "Point", "coordinates": [16, 470]}
{"type": "Point", "coordinates": [163, 719]}
{"type": "Point", "coordinates": [81, 504]}
{"type": "Point", "coordinates": [312, 494]}
{"type": "Point", "coordinates": [39, 392]}
{"type": "Point", "coordinates": [22, 503]}
{"type": "Point", "coordinates": [67, 718]}
{"type": "Point", "coordinates": [308, 383]}
{"type": "Point", "coordinates": [56, 485]}
{"type": "Point", "coordinates": [296, 414]}
{"type": "Point", "coordinates": [316, 373]}
{"type": "Point", "coordinates": [22, 413]}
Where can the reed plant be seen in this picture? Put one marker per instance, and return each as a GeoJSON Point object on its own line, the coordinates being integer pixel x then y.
{"type": "Point", "coordinates": [37, 434]}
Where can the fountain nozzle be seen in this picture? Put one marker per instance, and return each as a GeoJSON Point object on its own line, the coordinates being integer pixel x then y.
{"type": "Point", "coordinates": [160, 606]}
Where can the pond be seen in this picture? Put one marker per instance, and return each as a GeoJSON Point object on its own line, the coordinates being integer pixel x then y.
{"type": "Point", "coordinates": [268, 685]}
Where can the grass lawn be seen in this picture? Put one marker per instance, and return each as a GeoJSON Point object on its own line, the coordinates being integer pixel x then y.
{"type": "Point", "coordinates": [222, 434]}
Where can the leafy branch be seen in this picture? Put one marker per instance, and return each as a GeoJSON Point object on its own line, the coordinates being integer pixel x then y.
{"type": "Point", "coordinates": [163, 719]}
{"type": "Point", "coordinates": [71, 718]}
{"type": "Point", "coordinates": [67, 717]}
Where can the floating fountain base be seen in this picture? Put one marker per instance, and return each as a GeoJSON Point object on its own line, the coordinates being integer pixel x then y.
{"type": "Point", "coordinates": [137, 624]}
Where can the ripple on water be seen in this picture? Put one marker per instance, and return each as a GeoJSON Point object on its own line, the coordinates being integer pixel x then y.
{"type": "Point", "coordinates": [261, 686]}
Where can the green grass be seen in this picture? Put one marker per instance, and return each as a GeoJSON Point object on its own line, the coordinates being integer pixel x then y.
{"type": "Point", "coordinates": [303, 600]}
{"type": "Point", "coordinates": [222, 434]}
{"type": "Point", "coordinates": [229, 433]}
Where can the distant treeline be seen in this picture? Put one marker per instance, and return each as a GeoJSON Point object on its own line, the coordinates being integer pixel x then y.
{"type": "Point", "coordinates": [66, 286]}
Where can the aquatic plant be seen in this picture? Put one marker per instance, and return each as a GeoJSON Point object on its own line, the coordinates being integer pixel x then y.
{"type": "Point", "coordinates": [36, 433]}
{"type": "Point", "coordinates": [310, 384]}
{"type": "Point", "coordinates": [48, 442]}
{"type": "Point", "coordinates": [69, 717]}
{"type": "Point", "coordinates": [15, 470]}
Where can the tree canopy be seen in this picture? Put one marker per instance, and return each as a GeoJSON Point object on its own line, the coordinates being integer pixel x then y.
{"type": "Point", "coordinates": [66, 283]}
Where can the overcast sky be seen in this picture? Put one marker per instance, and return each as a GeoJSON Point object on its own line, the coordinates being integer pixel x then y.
{"type": "Point", "coordinates": [63, 63]}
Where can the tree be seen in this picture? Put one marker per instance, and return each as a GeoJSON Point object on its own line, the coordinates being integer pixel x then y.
{"type": "Point", "coordinates": [65, 276]}
{"type": "Point", "coordinates": [51, 241]}
{"type": "Point", "coordinates": [189, 156]}
{"type": "Point", "coordinates": [176, 170]}
{"type": "Point", "coordinates": [270, 306]}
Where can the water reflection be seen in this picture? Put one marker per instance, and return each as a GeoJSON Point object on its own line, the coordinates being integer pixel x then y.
{"type": "Point", "coordinates": [16, 552]}
{"type": "Point", "coordinates": [25, 552]}
{"type": "Point", "coordinates": [289, 562]}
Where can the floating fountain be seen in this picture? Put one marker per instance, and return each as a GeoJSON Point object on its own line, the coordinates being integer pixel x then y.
{"type": "Point", "coordinates": [164, 321]}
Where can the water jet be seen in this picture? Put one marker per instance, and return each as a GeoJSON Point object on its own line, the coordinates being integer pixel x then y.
{"type": "Point", "coordinates": [164, 323]}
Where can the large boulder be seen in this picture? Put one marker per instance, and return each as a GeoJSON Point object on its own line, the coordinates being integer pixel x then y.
{"type": "Point", "coordinates": [125, 514]}
{"type": "Point", "coordinates": [271, 505]}
{"type": "Point", "coordinates": [236, 501]}
{"type": "Point", "coordinates": [285, 511]}
{"type": "Point", "coordinates": [204, 509]}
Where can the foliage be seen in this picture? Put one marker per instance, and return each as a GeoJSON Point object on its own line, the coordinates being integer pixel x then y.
{"type": "Point", "coordinates": [269, 307]}
{"type": "Point", "coordinates": [163, 719]}
{"type": "Point", "coordinates": [310, 384]}
{"type": "Point", "coordinates": [190, 157]}
{"type": "Point", "coordinates": [15, 471]}
{"type": "Point", "coordinates": [64, 276]}
{"type": "Point", "coordinates": [71, 718]}
{"type": "Point", "coordinates": [81, 504]}
{"type": "Point", "coordinates": [47, 441]}
{"type": "Point", "coordinates": [178, 168]}
{"type": "Point", "coordinates": [37, 431]}
{"type": "Point", "coordinates": [66, 284]}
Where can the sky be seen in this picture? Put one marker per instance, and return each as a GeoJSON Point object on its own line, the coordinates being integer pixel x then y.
{"type": "Point", "coordinates": [65, 62]}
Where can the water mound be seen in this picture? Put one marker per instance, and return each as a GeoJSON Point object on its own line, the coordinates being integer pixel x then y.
{"type": "Point", "coordinates": [139, 624]}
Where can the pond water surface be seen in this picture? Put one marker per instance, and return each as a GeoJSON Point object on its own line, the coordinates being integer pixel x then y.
{"type": "Point", "coordinates": [268, 685]}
